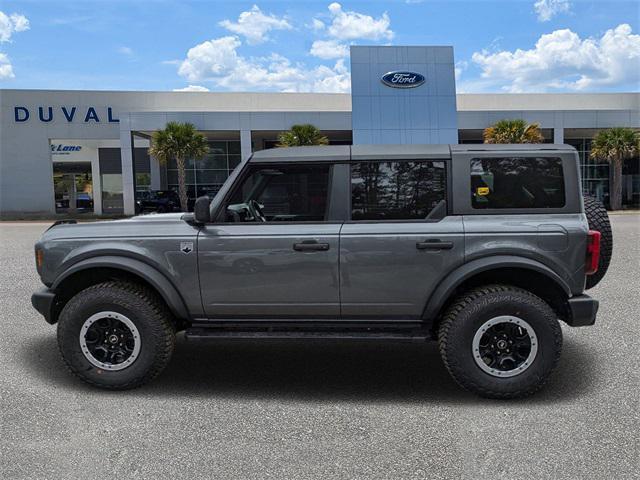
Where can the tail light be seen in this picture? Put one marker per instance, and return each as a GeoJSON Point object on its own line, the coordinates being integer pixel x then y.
{"type": "Point", "coordinates": [593, 252]}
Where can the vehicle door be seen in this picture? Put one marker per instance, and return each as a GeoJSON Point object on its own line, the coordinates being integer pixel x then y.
{"type": "Point", "coordinates": [274, 251]}
{"type": "Point", "coordinates": [400, 240]}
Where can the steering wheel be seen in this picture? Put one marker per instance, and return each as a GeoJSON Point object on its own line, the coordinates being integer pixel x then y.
{"type": "Point", "coordinates": [256, 211]}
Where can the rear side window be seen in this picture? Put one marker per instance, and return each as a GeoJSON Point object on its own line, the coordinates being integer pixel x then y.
{"type": "Point", "coordinates": [400, 190]}
{"type": "Point", "coordinates": [517, 182]}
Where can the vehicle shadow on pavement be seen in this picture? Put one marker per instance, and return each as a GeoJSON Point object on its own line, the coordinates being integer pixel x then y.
{"type": "Point", "coordinates": [316, 371]}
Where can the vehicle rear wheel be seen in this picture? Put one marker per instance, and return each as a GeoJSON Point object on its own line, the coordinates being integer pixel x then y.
{"type": "Point", "coordinates": [116, 335]}
{"type": "Point", "coordinates": [599, 220]}
{"type": "Point", "coordinates": [500, 341]}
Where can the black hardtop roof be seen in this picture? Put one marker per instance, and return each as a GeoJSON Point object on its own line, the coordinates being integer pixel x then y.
{"type": "Point", "coordinates": [333, 153]}
{"type": "Point", "coordinates": [501, 147]}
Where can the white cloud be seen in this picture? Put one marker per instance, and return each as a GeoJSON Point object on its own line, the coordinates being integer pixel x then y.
{"type": "Point", "coordinates": [562, 60]}
{"type": "Point", "coordinates": [336, 79]}
{"type": "Point", "coordinates": [317, 25]}
{"type": "Point", "coordinates": [6, 70]}
{"type": "Point", "coordinates": [327, 49]}
{"type": "Point", "coordinates": [254, 25]}
{"type": "Point", "coordinates": [349, 25]}
{"type": "Point", "coordinates": [217, 61]}
{"type": "Point", "coordinates": [10, 24]}
{"type": "Point", "coordinates": [213, 58]}
{"type": "Point", "coordinates": [547, 9]}
{"type": "Point", "coordinates": [192, 88]}
{"type": "Point", "coordinates": [128, 51]}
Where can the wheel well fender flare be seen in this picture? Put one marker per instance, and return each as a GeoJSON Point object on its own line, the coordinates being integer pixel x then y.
{"type": "Point", "coordinates": [468, 270]}
{"type": "Point", "coordinates": [156, 279]}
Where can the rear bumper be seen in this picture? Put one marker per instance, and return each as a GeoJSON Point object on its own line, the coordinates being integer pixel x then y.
{"type": "Point", "coordinates": [583, 310]}
{"type": "Point", "coordinates": [44, 301]}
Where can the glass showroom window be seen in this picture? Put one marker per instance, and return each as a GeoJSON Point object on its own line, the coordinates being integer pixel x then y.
{"type": "Point", "coordinates": [73, 187]}
{"type": "Point", "coordinates": [595, 174]}
{"type": "Point", "coordinates": [143, 182]}
{"type": "Point", "coordinates": [206, 176]}
{"type": "Point", "coordinates": [112, 199]}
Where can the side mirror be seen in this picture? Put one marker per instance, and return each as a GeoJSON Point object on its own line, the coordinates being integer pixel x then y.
{"type": "Point", "coordinates": [201, 213]}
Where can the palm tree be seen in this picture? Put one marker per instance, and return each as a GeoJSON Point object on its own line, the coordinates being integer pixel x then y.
{"type": "Point", "coordinates": [301, 135]}
{"type": "Point", "coordinates": [616, 145]}
{"type": "Point", "coordinates": [179, 142]}
{"type": "Point", "coordinates": [513, 131]}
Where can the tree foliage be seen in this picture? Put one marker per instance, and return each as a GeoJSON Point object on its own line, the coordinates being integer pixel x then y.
{"type": "Point", "coordinates": [302, 135]}
{"type": "Point", "coordinates": [615, 146]}
{"type": "Point", "coordinates": [179, 142]}
{"type": "Point", "coordinates": [513, 131]}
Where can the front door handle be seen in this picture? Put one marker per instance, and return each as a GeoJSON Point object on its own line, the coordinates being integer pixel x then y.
{"type": "Point", "coordinates": [434, 245]}
{"type": "Point", "coordinates": [310, 246]}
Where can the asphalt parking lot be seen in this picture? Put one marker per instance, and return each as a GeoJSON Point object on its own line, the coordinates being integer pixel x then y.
{"type": "Point", "coordinates": [319, 410]}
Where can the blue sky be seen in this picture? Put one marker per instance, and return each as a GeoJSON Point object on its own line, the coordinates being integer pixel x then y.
{"type": "Point", "coordinates": [500, 46]}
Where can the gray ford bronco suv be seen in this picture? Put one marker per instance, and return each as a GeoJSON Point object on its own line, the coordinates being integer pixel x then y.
{"type": "Point", "coordinates": [483, 248]}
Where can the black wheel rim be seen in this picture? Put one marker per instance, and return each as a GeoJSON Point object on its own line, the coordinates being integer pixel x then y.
{"type": "Point", "coordinates": [110, 340]}
{"type": "Point", "coordinates": [505, 346]}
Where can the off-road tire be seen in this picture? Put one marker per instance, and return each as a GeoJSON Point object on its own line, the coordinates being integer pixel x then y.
{"type": "Point", "coordinates": [599, 220]}
{"type": "Point", "coordinates": [470, 311]}
{"type": "Point", "coordinates": [147, 312]}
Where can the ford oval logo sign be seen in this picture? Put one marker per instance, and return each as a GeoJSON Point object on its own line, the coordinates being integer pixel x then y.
{"type": "Point", "coordinates": [402, 79]}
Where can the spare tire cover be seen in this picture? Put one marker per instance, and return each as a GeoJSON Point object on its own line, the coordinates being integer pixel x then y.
{"type": "Point", "coordinates": [599, 220]}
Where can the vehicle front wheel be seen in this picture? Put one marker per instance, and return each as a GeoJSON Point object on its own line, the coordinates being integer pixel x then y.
{"type": "Point", "coordinates": [500, 341]}
{"type": "Point", "coordinates": [116, 335]}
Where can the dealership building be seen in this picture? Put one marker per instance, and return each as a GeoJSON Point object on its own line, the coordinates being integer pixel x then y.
{"type": "Point", "coordinates": [86, 151]}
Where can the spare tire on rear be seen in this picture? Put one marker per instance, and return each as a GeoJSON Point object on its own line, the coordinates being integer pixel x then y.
{"type": "Point", "coordinates": [599, 220]}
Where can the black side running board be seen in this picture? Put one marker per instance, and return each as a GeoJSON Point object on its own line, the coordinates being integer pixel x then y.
{"type": "Point", "coordinates": [403, 332]}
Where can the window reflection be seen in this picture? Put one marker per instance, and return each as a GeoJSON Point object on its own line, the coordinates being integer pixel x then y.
{"type": "Point", "coordinates": [517, 182]}
{"type": "Point", "coordinates": [396, 190]}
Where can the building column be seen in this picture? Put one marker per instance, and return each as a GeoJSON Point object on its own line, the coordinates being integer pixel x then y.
{"type": "Point", "coordinates": [245, 144]}
{"type": "Point", "coordinates": [96, 181]}
{"type": "Point", "coordinates": [126, 156]}
{"type": "Point", "coordinates": [558, 135]}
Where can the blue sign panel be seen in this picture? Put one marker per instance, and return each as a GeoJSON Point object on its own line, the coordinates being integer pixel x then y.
{"type": "Point", "coordinates": [401, 79]}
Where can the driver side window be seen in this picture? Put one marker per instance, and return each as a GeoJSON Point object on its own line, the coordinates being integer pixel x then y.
{"type": "Point", "coordinates": [281, 193]}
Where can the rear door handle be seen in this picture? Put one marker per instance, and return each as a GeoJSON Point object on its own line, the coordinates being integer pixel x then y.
{"type": "Point", "coordinates": [434, 245]}
{"type": "Point", "coordinates": [310, 246]}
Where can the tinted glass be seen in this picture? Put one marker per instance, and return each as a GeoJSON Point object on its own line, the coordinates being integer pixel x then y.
{"type": "Point", "coordinates": [517, 182]}
{"type": "Point", "coordinates": [402, 190]}
{"type": "Point", "coordinates": [288, 193]}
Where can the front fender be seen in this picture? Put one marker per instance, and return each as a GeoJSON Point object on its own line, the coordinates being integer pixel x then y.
{"type": "Point", "coordinates": [148, 273]}
{"type": "Point", "coordinates": [464, 272]}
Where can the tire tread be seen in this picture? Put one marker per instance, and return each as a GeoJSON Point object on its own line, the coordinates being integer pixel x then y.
{"type": "Point", "coordinates": [598, 219]}
{"type": "Point", "coordinates": [162, 317]}
{"type": "Point", "coordinates": [463, 302]}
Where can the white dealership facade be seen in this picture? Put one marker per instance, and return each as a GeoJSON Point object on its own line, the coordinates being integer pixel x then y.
{"type": "Point", "coordinates": [86, 151]}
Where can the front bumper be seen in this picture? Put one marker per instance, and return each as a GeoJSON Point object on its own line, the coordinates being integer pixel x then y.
{"type": "Point", "coordinates": [583, 310]}
{"type": "Point", "coordinates": [44, 301]}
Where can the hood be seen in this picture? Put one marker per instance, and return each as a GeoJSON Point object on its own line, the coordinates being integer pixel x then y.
{"type": "Point", "coordinates": [152, 225]}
